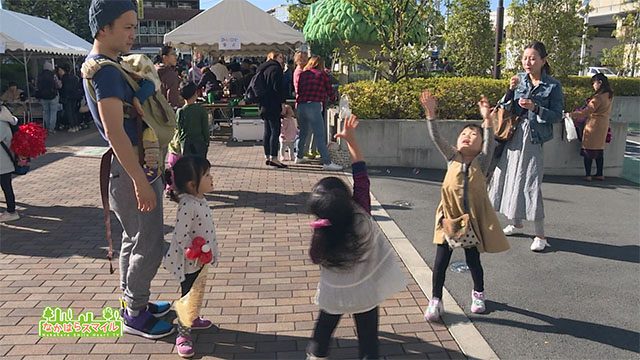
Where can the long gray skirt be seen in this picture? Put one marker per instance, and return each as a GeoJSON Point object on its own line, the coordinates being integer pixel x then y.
{"type": "Point", "coordinates": [515, 189]}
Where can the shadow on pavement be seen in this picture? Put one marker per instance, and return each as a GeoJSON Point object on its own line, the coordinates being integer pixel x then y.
{"type": "Point", "coordinates": [604, 334]}
{"type": "Point", "coordinates": [627, 253]}
{"type": "Point", "coordinates": [231, 344]}
{"type": "Point", "coordinates": [608, 183]}
{"type": "Point", "coordinates": [265, 201]}
{"type": "Point", "coordinates": [437, 175]}
{"type": "Point", "coordinates": [59, 232]}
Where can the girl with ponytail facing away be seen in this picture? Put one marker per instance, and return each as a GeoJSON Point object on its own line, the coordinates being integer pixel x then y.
{"type": "Point", "coordinates": [358, 267]}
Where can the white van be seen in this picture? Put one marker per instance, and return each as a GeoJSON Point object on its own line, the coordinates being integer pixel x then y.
{"type": "Point", "coordinates": [595, 70]}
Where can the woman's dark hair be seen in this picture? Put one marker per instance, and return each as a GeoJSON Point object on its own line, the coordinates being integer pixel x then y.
{"type": "Point", "coordinates": [157, 59]}
{"type": "Point", "coordinates": [337, 245]}
{"type": "Point", "coordinates": [542, 51]}
{"type": "Point", "coordinates": [187, 90]}
{"type": "Point", "coordinates": [604, 85]}
{"type": "Point", "coordinates": [475, 127]}
{"type": "Point", "coordinates": [188, 168]}
{"type": "Point", "coordinates": [166, 50]}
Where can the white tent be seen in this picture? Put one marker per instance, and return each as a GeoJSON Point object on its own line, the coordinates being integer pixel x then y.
{"type": "Point", "coordinates": [23, 35]}
{"type": "Point", "coordinates": [29, 33]}
{"type": "Point", "coordinates": [235, 27]}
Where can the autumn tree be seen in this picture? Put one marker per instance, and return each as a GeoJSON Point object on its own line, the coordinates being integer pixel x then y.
{"type": "Point", "coordinates": [406, 31]}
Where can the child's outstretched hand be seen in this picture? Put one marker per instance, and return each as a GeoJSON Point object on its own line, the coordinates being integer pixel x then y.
{"type": "Point", "coordinates": [349, 134]}
{"type": "Point", "coordinates": [138, 106]}
{"type": "Point", "coordinates": [348, 129]}
{"type": "Point", "coordinates": [487, 112]}
{"type": "Point", "coordinates": [429, 104]}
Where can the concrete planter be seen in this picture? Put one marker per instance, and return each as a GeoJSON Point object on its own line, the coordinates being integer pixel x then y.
{"type": "Point", "coordinates": [390, 142]}
{"type": "Point", "coordinates": [402, 142]}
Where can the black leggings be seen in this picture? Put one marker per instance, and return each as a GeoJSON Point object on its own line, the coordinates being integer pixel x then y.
{"type": "Point", "coordinates": [443, 256]}
{"type": "Point", "coordinates": [189, 279]}
{"type": "Point", "coordinates": [366, 326]}
{"type": "Point", "coordinates": [599, 165]}
{"type": "Point", "coordinates": [271, 140]}
{"type": "Point", "coordinates": [7, 188]}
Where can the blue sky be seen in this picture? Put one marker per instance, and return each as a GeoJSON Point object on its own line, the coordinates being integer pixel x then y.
{"type": "Point", "coordinates": [267, 4]}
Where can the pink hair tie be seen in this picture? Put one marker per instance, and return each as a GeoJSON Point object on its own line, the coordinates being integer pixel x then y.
{"type": "Point", "coordinates": [320, 223]}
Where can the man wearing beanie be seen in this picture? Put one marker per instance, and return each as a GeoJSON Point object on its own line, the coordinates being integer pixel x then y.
{"type": "Point", "coordinates": [136, 202]}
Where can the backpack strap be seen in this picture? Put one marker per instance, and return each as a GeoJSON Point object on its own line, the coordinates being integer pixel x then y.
{"type": "Point", "coordinates": [6, 148]}
{"type": "Point", "coordinates": [88, 70]}
{"type": "Point", "coordinates": [105, 169]}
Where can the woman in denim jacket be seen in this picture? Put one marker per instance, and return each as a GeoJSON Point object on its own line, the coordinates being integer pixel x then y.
{"type": "Point", "coordinates": [515, 188]}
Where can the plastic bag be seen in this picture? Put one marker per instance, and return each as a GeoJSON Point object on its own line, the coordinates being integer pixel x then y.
{"type": "Point", "coordinates": [570, 128]}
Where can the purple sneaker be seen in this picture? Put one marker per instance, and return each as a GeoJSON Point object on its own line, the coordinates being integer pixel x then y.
{"type": "Point", "coordinates": [477, 302]}
{"type": "Point", "coordinates": [184, 345]}
{"type": "Point", "coordinates": [146, 325]}
{"type": "Point", "coordinates": [200, 323]}
{"type": "Point", "coordinates": [434, 310]}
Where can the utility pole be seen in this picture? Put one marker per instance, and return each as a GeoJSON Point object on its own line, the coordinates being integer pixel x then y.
{"type": "Point", "coordinates": [499, 31]}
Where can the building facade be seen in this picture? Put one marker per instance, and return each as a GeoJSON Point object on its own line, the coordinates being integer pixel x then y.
{"type": "Point", "coordinates": [160, 17]}
{"type": "Point", "coordinates": [602, 17]}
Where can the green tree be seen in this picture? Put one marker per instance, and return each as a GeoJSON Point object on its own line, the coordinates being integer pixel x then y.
{"type": "Point", "coordinates": [469, 37]}
{"type": "Point", "coordinates": [298, 14]}
{"type": "Point", "coordinates": [70, 14]}
{"type": "Point", "coordinates": [557, 23]}
{"type": "Point", "coordinates": [406, 30]}
{"type": "Point", "coordinates": [628, 33]}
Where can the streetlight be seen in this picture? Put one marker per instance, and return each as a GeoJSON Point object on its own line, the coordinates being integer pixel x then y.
{"type": "Point", "coordinates": [499, 30]}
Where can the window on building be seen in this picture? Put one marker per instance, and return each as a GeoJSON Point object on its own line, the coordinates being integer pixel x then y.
{"type": "Point", "coordinates": [143, 27]}
{"type": "Point", "coordinates": [160, 4]}
{"type": "Point", "coordinates": [185, 5]}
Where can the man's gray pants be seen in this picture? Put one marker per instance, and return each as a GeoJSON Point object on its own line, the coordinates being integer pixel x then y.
{"type": "Point", "coordinates": [142, 237]}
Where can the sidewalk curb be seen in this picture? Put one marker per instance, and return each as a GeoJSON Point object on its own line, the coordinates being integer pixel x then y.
{"type": "Point", "coordinates": [471, 342]}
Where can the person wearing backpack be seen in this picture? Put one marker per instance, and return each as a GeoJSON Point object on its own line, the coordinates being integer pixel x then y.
{"type": "Point", "coordinates": [48, 85]}
{"type": "Point", "coordinates": [136, 202]}
{"type": "Point", "coordinates": [6, 164]}
{"type": "Point", "coordinates": [69, 97]}
{"type": "Point", "coordinates": [271, 96]}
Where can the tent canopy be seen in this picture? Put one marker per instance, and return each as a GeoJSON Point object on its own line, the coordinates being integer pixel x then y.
{"type": "Point", "coordinates": [257, 31]}
{"type": "Point", "coordinates": [29, 33]}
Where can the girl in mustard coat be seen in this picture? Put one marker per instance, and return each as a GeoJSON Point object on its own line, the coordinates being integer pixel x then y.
{"type": "Point", "coordinates": [469, 159]}
{"type": "Point", "coordinates": [598, 111]}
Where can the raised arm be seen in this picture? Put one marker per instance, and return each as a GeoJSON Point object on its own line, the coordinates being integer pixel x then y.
{"type": "Point", "coordinates": [484, 158]}
{"type": "Point", "coordinates": [361, 182]}
{"type": "Point", "coordinates": [430, 105]}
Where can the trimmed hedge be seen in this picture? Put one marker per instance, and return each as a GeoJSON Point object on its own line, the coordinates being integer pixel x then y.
{"type": "Point", "coordinates": [457, 96]}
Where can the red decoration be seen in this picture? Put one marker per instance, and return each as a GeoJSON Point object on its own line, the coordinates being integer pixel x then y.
{"type": "Point", "coordinates": [205, 257]}
{"type": "Point", "coordinates": [29, 141]}
{"type": "Point", "coordinates": [192, 253]}
{"type": "Point", "coordinates": [199, 250]}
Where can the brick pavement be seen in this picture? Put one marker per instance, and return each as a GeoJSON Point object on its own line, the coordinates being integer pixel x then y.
{"type": "Point", "coordinates": [260, 295]}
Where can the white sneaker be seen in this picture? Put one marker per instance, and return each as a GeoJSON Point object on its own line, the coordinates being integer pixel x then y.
{"type": "Point", "coordinates": [512, 230]}
{"type": "Point", "coordinates": [7, 216]}
{"type": "Point", "coordinates": [332, 167]}
{"type": "Point", "coordinates": [539, 244]}
{"type": "Point", "coordinates": [434, 310]}
{"type": "Point", "coordinates": [477, 302]}
{"type": "Point", "coordinates": [302, 160]}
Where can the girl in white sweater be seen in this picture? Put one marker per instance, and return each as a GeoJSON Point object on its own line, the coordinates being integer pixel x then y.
{"type": "Point", "coordinates": [358, 267]}
{"type": "Point", "coordinates": [194, 239]}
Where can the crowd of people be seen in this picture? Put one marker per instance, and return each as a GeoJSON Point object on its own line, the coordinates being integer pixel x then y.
{"type": "Point", "coordinates": [359, 269]}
